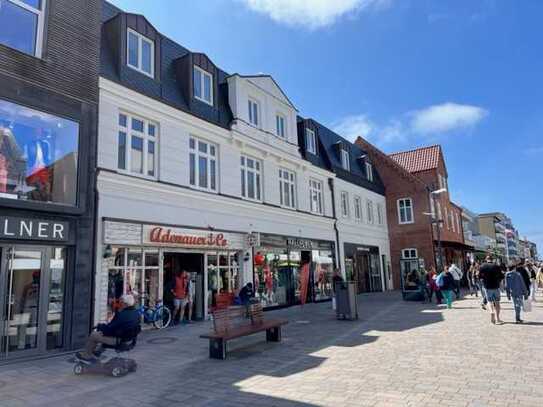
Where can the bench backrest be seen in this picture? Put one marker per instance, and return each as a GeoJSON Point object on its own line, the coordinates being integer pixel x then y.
{"type": "Point", "coordinates": [227, 319]}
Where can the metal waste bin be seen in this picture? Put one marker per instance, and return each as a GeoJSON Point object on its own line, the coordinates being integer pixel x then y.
{"type": "Point", "coordinates": [346, 303]}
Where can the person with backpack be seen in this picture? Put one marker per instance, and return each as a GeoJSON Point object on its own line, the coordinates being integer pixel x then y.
{"type": "Point", "coordinates": [491, 277]}
{"type": "Point", "coordinates": [517, 290]}
{"type": "Point", "coordinates": [445, 282]}
{"type": "Point", "coordinates": [457, 275]}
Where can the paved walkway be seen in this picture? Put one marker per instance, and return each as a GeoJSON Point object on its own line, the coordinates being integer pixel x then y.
{"type": "Point", "coordinates": [397, 354]}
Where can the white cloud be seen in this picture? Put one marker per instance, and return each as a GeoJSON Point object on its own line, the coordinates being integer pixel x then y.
{"type": "Point", "coordinates": [446, 117]}
{"type": "Point", "coordinates": [429, 122]}
{"type": "Point", "coordinates": [351, 127]}
{"type": "Point", "coordinates": [312, 14]}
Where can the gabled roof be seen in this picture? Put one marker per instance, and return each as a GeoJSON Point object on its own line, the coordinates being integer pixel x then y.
{"type": "Point", "coordinates": [402, 171]}
{"type": "Point", "coordinates": [269, 85]}
{"type": "Point", "coordinates": [420, 159]}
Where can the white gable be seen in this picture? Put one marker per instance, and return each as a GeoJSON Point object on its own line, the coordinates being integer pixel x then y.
{"type": "Point", "coordinates": [268, 85]}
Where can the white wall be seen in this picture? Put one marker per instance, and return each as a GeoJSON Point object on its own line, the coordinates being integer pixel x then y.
{"type": "Point", "coordinates": [361, 232]}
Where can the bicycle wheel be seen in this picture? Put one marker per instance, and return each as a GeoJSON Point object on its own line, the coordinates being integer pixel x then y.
{"type": "Point", "coordinates": [162, 318]}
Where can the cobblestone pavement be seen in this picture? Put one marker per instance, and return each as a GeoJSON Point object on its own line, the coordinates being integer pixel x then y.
{"type": "Point", "coordinates": [397, 354]}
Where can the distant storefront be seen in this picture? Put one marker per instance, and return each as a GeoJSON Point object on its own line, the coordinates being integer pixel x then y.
{"type": "Point", "coordinates": [365, 266]}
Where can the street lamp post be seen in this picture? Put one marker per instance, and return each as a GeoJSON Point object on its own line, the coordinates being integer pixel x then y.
{"type": "Point", "coordinates": [436, 221]}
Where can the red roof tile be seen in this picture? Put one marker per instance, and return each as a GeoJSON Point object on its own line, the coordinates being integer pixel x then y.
{"type": "Point", "coordinates": [421, 159]}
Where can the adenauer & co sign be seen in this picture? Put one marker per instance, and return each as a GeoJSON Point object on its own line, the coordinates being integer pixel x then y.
{"type": "Point", "coordinates": [191, 238]}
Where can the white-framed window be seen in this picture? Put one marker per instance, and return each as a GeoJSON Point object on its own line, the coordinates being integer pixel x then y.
{"type": "Point", "coordinates": [310, 141]}
{"type": "Point", "coordinates": [140, 53]}
{"type": "Point", "coordinates": [369, 172]}
{"type": "Point", "coordinates": [452, 221]}
{"type": "Point", "coordinates": [281, 125]}
{"type": "Point", "coordinates": [203, 166]}
{"type": "Point", "coordinates": [344, 204]}
{"type": "Point", "coordinates": [405, 211]}
{"type": "Point", "coordinates": [345, 161]}
{"type": "Point", "coordinates": [409, 253]}
{"type": "Point", "coordinates": [439, 215]}
{"type": "Point", "coordinates": [458, 223]}
{"type": "Point", "coordinates": [369, 211]}
{"type": "Point", "coordinates": [137, 145]}
{"type": "Point", "coordinates": [315, 196]}
{"type": "Point", "coordinates": [254, 114]}
{"type": "Point", "coordinates": [432, 206]}
{"type": "Point", "coordinates": [287, 188]}
{"type": "Point", "coordinates": [446, 217]}
{"type": "Point", "coordinates": [379, 214]}
{"type": "Point", "coordinates": [202, 83]}
{"type": "Point", "coordinates": [22, 25]}
{"type": "Point", "coordinates": [358, 208]}
{"type": "Point", "coordinates": [251, 178]}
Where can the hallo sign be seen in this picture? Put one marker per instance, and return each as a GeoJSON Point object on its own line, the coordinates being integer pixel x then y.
{"type": "Point", "coordinates": [184, 238]}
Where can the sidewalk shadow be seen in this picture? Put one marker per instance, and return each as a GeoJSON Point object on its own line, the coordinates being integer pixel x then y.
{"type": "Point", "coordinates": [312, 334]}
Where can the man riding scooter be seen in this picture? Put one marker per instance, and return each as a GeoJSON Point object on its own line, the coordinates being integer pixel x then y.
{"type": "Point", "coordinates": [125, 321]}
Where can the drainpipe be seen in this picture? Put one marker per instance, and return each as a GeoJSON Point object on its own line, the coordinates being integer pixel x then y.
{"type": "Point", "coordinates": [332, 191]}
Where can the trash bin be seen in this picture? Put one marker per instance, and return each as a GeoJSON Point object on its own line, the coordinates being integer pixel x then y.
{"type": "Point", "coordinates": [346, 303]}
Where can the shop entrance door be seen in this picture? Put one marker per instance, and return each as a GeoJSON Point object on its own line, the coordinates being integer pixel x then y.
{"type": "Point", "coordinates": [193, 264]}
{"type": "Point", "coordinates": [362, 272]}
{"type": "Point", "coordinates": [30, 309]}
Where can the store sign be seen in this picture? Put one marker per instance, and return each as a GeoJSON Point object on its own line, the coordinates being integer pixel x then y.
{"type": "Point", "coordinates": [190, 238]}
{"type": "Point", "coordinates": [33, 229]}
{"type": "Point", "coordinates": [252, 239]}
{"type": "Point", "coordinates": [299, 243]}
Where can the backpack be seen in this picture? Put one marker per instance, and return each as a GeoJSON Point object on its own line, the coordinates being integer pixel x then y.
{"type": "Point", "coordinates": [439, 280]}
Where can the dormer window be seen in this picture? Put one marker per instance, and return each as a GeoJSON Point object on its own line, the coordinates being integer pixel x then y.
{"type": "Point", "coordinates": [140, 53]}
{"type": "Point", "coordinates": [345, 163]}
{"type": "Point", "coordinates": [310, 141]}
{"type": "Point", "coordinates": [253, 112]}
{"type": "Point", "coordinates": [203, 85]}
{"type": "Point", "coordinates": [280, 125]}
{"type": "Point", "coordinates": [369, 172]}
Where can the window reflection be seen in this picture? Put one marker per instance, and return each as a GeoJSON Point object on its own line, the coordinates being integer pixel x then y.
{"type": "Point", "coordinates": [38, 155]}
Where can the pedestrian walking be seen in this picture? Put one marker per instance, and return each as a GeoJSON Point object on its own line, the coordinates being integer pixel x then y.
{"type": "Point", "coordinates": [446, 284]}
{"type": "Point", "coordinates": [491, 277]}
{"type": "Point", "coordinates": [431, 284]}
{"type": "Point", "coordinates": [533, 280]}
{"type": "Point", "coordinates": [539, 277]}
{"type": "Point", "coordinates": [516, 290]}
{"type": "Point", "coordinates": [472, 280]}
{"type": "Point", "coordinates": [457, 275]}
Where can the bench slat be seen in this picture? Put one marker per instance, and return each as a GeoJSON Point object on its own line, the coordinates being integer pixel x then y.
{"type": "Point", "coordinates": [240, 331]}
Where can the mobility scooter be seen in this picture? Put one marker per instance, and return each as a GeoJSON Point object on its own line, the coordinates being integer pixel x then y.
{"type": "Point", "coordinates": [115, 366]}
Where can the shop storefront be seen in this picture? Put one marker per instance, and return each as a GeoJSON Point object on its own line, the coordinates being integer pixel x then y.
{"type": "Point", "coordinates": [143, 260]}
{"type": "Point", "coordinates": [46, 222]}
{"type": "Point", "coordinates": [279, 266]}
{"type": "Point", "coordinates": [35, 264]}
{"type": "Point", "coordinates": [365, 266]}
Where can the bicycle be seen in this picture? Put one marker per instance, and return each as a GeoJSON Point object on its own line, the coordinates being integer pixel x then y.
{"type": "Point", "coordinates": [159, 315]}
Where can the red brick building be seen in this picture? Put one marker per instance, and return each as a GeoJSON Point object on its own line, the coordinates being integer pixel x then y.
{"type": "Point", "coordinates": [409, 179]}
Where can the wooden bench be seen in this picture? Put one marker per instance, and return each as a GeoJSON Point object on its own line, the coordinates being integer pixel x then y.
{"type": "Point", "coordinates": [236, 322]}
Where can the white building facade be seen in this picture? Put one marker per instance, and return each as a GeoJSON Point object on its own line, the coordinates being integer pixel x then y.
{"type": "Point", "coordinates": [201, 171]}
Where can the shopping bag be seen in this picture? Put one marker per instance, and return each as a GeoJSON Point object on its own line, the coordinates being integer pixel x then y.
{"type": "Point", "coordinates": [527, 305]}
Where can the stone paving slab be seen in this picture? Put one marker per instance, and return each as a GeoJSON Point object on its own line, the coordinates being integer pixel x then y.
{"type": "Point", "coordinates": [397, 354]}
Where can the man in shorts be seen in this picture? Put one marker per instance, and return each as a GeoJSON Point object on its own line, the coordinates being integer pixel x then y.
{"type": "Point", "coordinates": [180, 294]}
{"type": "Point", "coordinates": [491, 277]}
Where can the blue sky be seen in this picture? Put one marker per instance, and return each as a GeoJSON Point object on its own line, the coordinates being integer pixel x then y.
{"type": "Point", "coordinates": [466, 74]}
